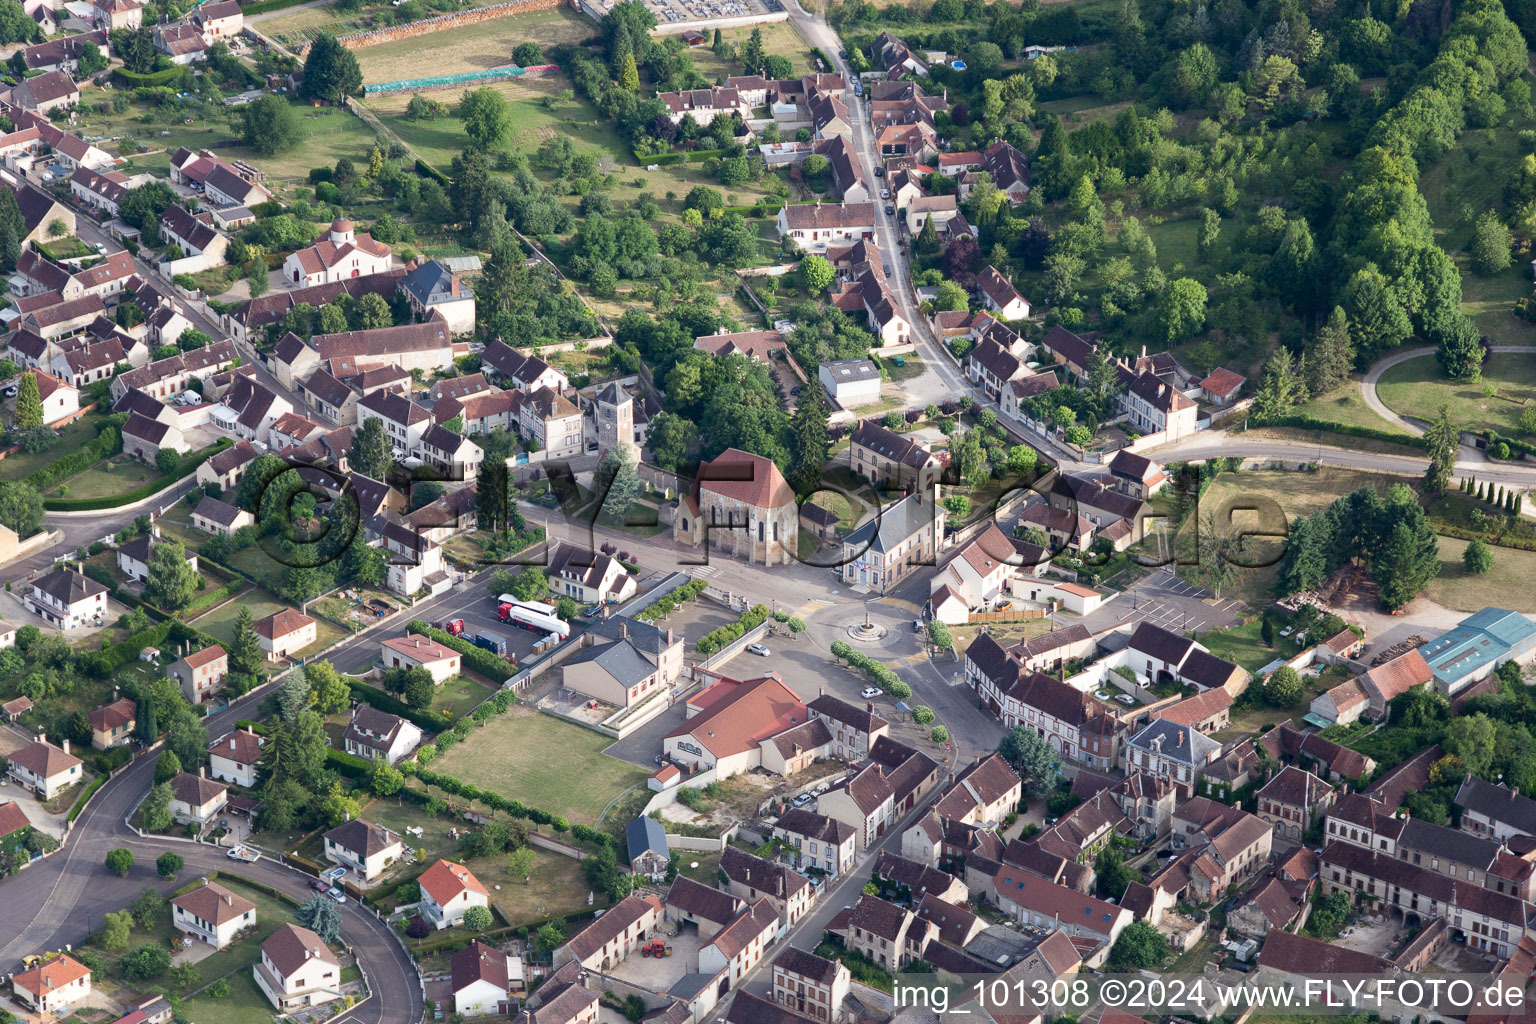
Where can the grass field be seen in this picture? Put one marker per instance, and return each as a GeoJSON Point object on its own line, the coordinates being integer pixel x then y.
{"type": "Point", "coordinates": [1243, 645]}
{"type": "Point", "coordinates": [21, 465]}
{"type": "Point", "coordinates": [541, 110]}
{"type": "Point", "coordinates": [220, 623]}
{"type": "Point", "coordinates": [1345, 406]}
{"type": "Point", "coordinates": [543, 762]}
{"type": "Point", "coordinates": [1297, 494]}
{"type": "Point", "coordinates": [105, 479]}
{"type": "Point", "coordinates": [245, 1004]}
{"type": "Point", "coordinates": [486, 44]}
{"type": "Point", "coordinates": [1416, 388]}
{"type": "Point", "coordinates": [779, 38]}
{"type": "Point", "coordinates": [301, 26]}
{"type": "Point", "coordinates": [1506, 585]}
{"type": "Point", "coordinates": [459, 695]}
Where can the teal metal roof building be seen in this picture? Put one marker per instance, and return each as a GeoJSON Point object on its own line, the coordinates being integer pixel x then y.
{"type": "Point", "coordinates": [1478, 645]}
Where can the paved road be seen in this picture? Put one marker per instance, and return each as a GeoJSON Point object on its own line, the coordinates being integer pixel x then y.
{"type": "Point", "coordinates": [63, 899]}
{"type": "Point", "coordinates": [1373, 376]}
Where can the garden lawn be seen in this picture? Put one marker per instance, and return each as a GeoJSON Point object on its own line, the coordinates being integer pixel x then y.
{"type": "Point", "coordinates": [21, 465]}
{"type": "Point", "coordinates": [220, 623]}
{"type": "Point", "coordinates": [556, 888]}
{"type": "Point", "coordinates": [779, 39]}
{"type": "Point", "coordinates": [459, 696]}
{"type": "Point", "coordinates": [1244, 646]}
{"type": "Point", "coordinates": [1344, 405]}
{"type": "Point", "coordinates": [544, 762]}
{"type": "Point", "coordinates": [245, 1004]}
{"type": "Point", "coordinates": [117, 475]}
{"type": "Point", "coordinates": [1506, 585]}
{"type": "Point", "coordinates": [475, 47]}
{"type": "Point", "coordinates": [1416, 388]}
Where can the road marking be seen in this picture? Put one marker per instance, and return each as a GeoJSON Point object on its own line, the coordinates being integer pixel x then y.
{"type": "Point", "coordinates": [812, 607]}
{"type": "Point", "coordinates": [896, 602]}
{"type": "Point", "coordinates": [916, 659]}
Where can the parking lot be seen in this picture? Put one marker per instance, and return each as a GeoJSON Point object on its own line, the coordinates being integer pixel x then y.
{"type": "Point", "coordinates": [1167, 601]}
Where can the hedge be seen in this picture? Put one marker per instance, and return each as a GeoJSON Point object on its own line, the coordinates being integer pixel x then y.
{"type": "Point", "coordinates": [186, 469]}
{"type": "Point", "coordinates": [1349, 429]}
{"type": "Point", "coordinates": [1493, 437]}
{"type": "Point", "coordinates": [349, 765]}
{"type": "Point", "coordinates": [426, 170]}
{"type": "Point", "coordinates": [375, 697]}
{"type": "Point", "coordinates": [137, 80]}
{"type": "Point", "coordinates": [880, 674]}
{"type": "Point", "coordinates": [105, 444]}
{"type": "Point", "coordinates": [697, 156]}
{"type": "Point", "coordinates": [74, 812]}
{"type": "Point", "coordinates": [715, 639]}
{"type": "Point", "coordinates": [479, 659]}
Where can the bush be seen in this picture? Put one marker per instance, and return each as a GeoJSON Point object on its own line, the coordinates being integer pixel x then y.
{"type": "Point", "coordinates": [374, 697]}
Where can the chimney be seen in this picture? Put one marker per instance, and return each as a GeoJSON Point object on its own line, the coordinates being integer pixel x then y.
{"type": "Point", "coordinates": [670, 641]}
{"type": "Point", "coordinates": [65, 747]}
{"type": "Point", "coordinates": [1181, 737]}
{"type": "Point", "coordinates": [870, 708]}
{"type": "Point", "coordinates": [1161, 388]}
{"type": "Point", "coordinates": [821, 691]}
{"type": "Point", "coordinates": [623, 630]}
{"type": "Point", "coordinates": [229, 900]}
{"type": "Point", "coordinates": [202, 771]}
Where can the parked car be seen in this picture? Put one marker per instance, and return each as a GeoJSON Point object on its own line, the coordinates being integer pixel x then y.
{"type": "Point", "coordinates": [336, 894]}
{"type": "Point", "coordinates": [319, 885]}
{"type": "Point", "coordinates": [843, 54]}
{"type": "Point", "coordinates": [879, 171]}
{"type": "Point", "coordinates": [891, 210]}
{"type": "Point", "coordinates": [917, 625]}
{"type": "Point", "coordinates": [802, 800]}
{"type": "Point", "coordinates": [759, 650]}
{"type": "Point", "coordinates": [870, 692]}
{"type": "Point", "coordinates": [885, 193]}
{"type": "Point", "coordinates": [1126, 699]}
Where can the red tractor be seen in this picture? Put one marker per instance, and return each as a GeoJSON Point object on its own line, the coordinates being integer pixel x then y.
{"type": "Point", "coordinates": [657, 949]}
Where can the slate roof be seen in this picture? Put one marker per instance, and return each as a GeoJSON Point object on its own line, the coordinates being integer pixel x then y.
{"type": "Point", "coordinates": [645, 834]}
{"type": "Point", "coordinates": [362, 837]}
{"type": "Point", "coordinates": [68, 586]}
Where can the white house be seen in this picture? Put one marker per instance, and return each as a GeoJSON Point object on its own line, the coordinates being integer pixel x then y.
{"type": "Point", "coordinates": [813, 227]}
{"type": "Point", "coordinates": [483, 977]}
{"type": "Point", "coordinates": [415, 651]}
{"type": "Point", "coordinates": [403, 420]}
{"type": "Point", "coordinates": [67, 599]}
{"type": "Point", "coordinates": [297, 969]}
{"type": "Point", "coordinates": [212, 914]}
{"type": "Point", "coordinates": [999, 294]}
{"type": "Point", "coordinates": [449, 889]}
{"type": "Point", "coordinates": [363, 846]}
{"type": "Point", "coordinates": [850, 382]}
{"type": "Point", "coordinates": [197, 800]}
{"type": "Point", "coordinates": [285, 632]}
{"type": "Point", "coordinates": [342, 252]}
{"type": "Point", "coordinates": [373, 733]}
{"type": "Point", "coordinates": [232, 758]}
{"type": "Point", "coordinates": [53, 986]}
{"type": "Point", "coordinates": [44, 768]}
{"type": "Point", "coordinates": [434, 288]}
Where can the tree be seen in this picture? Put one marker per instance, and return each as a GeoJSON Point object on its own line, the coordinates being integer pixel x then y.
{"type": "Point", "coordinates": [144, 963]}
{"type": "Point", "coordinates": [1490, 244]}
{"type": "Point", "coordinates": [328, 691]}
{"type": "Point", "coordinates": [29, 403]}
{"type": "Point", "coordinates": [143, 207]}
{"type": "Point", "coordinates": [549, 937]}
{"type": "Point", "coordinates": [950, 297]}
{"type": "Point", "coordinates": [371, 453]}
{"type": "Point", "coordinates": [1477, 558]}
{"type": "Point", "coordinates": [1406, 563]}
{"type": "Point", "coordinates": [1209, 234]}
{"type": "Point", "coordinates": [1460, 352]}
{"type": "Point", "coordinates": [1110, 874]}
{"type": "Point", "coordinates": [1140, 947]}
{"type": "Point", "coordinates": [1283, 687]}
{"type": "Point", "coordinates": [521, 862]}
{"type": "Point", "coordinates": [939, 635]}
{"type": "Point", "coordinates": [810, 441]}
{"type": "Point", "coordinates": [155, 811]}
{"type": "Point", "coordinates": [1033, 758]}
{"type": "Point", "coordinates": [167, 766]}
{"type": "Point", "coordinates": [245, 654]}
{"type": "Point", "coordinates": [21, 506]}
{"type": "Point", "coordinates": [1471, 738]}
{"type": "Point", "coordinates": [321, 915]}
{"type": "Point", "coordinates": [1021, 459]}
{"type": "Point", "coordinates": [487, 117]}
{"type": "Point", "coordinates": [167, 460]}
{"type": "Point", "coordinates": [271, 125]}
{"type": "Point", "coordinates": [928, 237]}
{"type": "Point", "coordinates": [816, 272]}
{"type": "Point", "coordinates": [384, 778]}
{"type": "Point", "coordinates": [169, 865]}
{"type": "Point", "coordinates": [172, 581]}
{"type": "Point", "coordinates": [528, 55]}
{"type": "Point", "coordinates": [1441, 440]}
{"type": "Point", "coordinates": [618, 480]}
{"type": "Point", "coordinates": [478, 918]}
{"type": "Point", "coordinates": [420, 108]}
{"type": "Point", "coordinates": [117, 930]}
{"type": "Point", "coordinates": [418, 692]}
{"type": "Point", "coordinates": [147, 906]}
{"type": "Point", "coordinates": [1181, 309]}
{"type": "Point", "coordinates": [120, 862]}
{"type": "Point", "coordinates": [135, 47]}
{"type": "Point", "coordinates": [1332, 354]}
{"type": "Point", "coordinates": [330, 71]}
{"type": "Point", "coordinates": [293, 697]}
{"type": "Point", "coordinates": [1281, 388]}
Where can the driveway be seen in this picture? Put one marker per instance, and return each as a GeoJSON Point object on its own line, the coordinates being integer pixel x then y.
{"type": "Point", "coordinates": [1373, 376]}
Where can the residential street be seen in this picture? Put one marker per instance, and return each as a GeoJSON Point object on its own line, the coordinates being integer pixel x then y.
{"type": "Point", "coordinates": [62, 899]}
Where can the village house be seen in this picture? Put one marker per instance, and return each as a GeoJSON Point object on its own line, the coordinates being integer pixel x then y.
{"type": "Point", "coordinates": [363, 846]}
{"type": "Point", "coordinates": [219, 517]}
{"type": "Point", "coordinates": [45, 769]}
{"type": "Point", "coordinates": [864, 802]}
{"type": "Point", "coordinates": [891, 460]}
{"type": "Point", "coordinates": [283, 633]}
{"type": "Point", "coordinates": [211, 913]}
{"type": "Point", "coordinates": [814, 227]}
{"type": "Point", "coordinates": [67, 600]}
{"type": "Point", "coordinates": [818, 841]}
{"type": "Point", "coordinates": [447, 891]}
{"type": "Point", "coordinates": [611, 938]}
{"type": "Point", "coordinates": [1171, 752]}
{"type": "Point", "coordinates": [232, 758]}
{"type": "Point", "coordinates": [889, 546]}
{"type": "Point", "coordinates": [1293, 801]}
{"type": "Point", "coordinates": [735, 950]}
{"type": "Point", "coordinates": [645, 842]}
{"type": "Point", "coordinates": [1157, 407]}
{"type": "Point", "coordinates": [1494, 811]}
{"type": "Point", "coordinates": [112, 724]}
{"type": "Point", "coordinates": [53, 986]}
{"type": "Point", "coordinates": [809, 985]}
{"type": "Point", "coordinates": [196, 800]}
{"type": "Point", "coordinates": [372, 733]}
{"type": "Point", "coordinates": [297, 969]}
{"type": "Point", "coordinates": [750, 878]}
{"type": "Point", "coordinates": [414, 651]}
{"type": "Point", "coordinates": [483, 979]}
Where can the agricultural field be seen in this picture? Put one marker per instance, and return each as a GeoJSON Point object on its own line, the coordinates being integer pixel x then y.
{"type": "Point", "coordinates": [486, 44]}
{"type": "Point", "coordinates": [544, 762]}
{"type": "Point", "coordinates": [1416, 388]}
{"type": "Point", "coordinates": [298, 27]}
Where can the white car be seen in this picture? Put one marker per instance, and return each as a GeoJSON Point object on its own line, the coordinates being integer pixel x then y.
{"type": "Point", "coordinates": [759, 650]}
{"type": "Point", "coordinates": [1101, 694]}
{"type": "Point", "coordinates": [871, 691]}
{"type": "Point", "coordinates": [885, 193]}
{"type": "Point", "coordinates": [336, 894]}
{"type": "Point", "coordinates": [1125, 698]}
